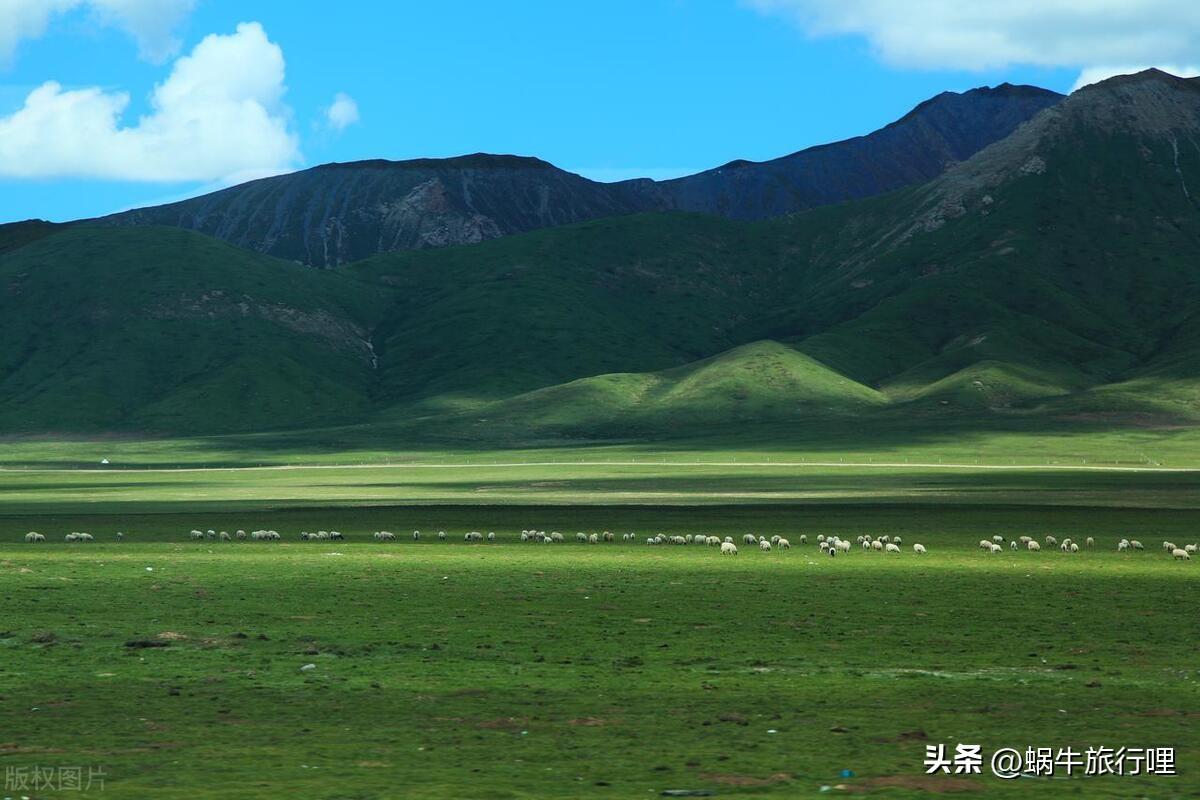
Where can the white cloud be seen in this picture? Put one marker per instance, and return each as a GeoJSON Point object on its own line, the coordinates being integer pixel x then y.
{"type": "Point", "coordinates": [955, 34]}
{"type": "Point", "coordinates": [151, 22]}
{"type": "Point", "coordinates": [218, 114]}
{"type": "Point", "coordinates": [342, 113]}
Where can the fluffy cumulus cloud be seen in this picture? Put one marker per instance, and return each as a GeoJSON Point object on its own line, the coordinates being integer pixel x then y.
{"type": "Point", "coordinates": [1103, 37]}
{"type": "Point", "coordinates": [151, 22]}
{"type": "Point", "coordinates": [342, 112]}
{"type": "Point", "coordinates": [218, 116]}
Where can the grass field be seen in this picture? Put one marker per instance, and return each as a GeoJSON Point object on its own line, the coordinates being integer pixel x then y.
{"type": "Point", "coordinates": [513, 670]}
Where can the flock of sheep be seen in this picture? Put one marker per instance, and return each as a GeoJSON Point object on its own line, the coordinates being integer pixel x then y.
{"type": "Point", "coordinates": [830, 545]}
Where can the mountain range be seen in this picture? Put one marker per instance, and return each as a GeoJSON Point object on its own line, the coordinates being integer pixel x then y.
{"type": "Point", "coordinates": [339, 213]}
{"type": "Point", "coordinates": [995, 255]}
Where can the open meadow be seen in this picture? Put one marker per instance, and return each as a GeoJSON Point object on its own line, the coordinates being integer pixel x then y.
{"type": "Point", "coordinates": [509, 669]}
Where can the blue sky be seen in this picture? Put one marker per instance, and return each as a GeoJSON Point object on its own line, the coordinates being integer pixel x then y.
{"type": "Point", "coordinates": [609, 89]}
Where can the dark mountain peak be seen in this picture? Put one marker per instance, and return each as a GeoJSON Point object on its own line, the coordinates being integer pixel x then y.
{"type": "Point", "coordinates": [342, 212]}
{"type": "Point", "coordinates": [478, 161]}
{"type": "Point", "coordinates": [1153, 75]}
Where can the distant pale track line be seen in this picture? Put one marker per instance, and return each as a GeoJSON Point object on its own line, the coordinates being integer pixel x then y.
{"type": "Point", "coordinates": [630, 463]}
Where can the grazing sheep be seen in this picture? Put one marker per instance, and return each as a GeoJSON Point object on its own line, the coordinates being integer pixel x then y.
{"type": "Point", "coordinates": [1050, 540]}
{"type": "Point", "coordinates": [1190, 548]}
{"type": "Point", "coordinates": [919, 549]}
{"type": "Point", "coordinates": [491, 537]}
{"type": "Point", "coordinates": [194, 535]}
{"type": "Point", "coordinates": [783, 544]}
{"type": "Point", "coordinates": [1090, 542]}
{"type": "Point", "coordinates": [764, 545]}
{"type": "Point", "coordinates": [120, 536]}
{"type": "Point", "coordinates": [417, 536]}
{"type": "Point", "coordinates": [595, 539]}
{"type": "Point", "coordinates": [1065, 547]}
{"type": "Point", "coordinates": [998, 549]}
{"type": "Point", "coordinates": [1025, 539]}
{"type": "Point", "coordinates": [1074, 547]}
{"type": "Point", "coordinates": [34, 536]}
{"type": "Point", "coordinates": [841, 546]}
{"type": "Point", "coordinates": [385, 536]}
{"type": "Point", "coordinates": [728, 549]}
{"type": "Point", "coordinates": [803, 538]}
{"type": "Point", "coordinates": [441, 536]}
{"type": "Point", "coordinates": [608, 537]}
{"type": "Point", "coordinates": [712, 541]}
{"type": "Point", "coordinates": [651, 540]}
{"type": "Point", "coordinates": [884, 539]}
{"type": "Point", "coordinates": [581, 537]}
{"type": "Point", "coordinates": [984, 544]}
{"type": "Point", "coordinates": [775, 539]}
{"type": "Point", "coordinates": [1181, 555]}
{"type": "Point", "coordinates": [897, 540]}
{"type": "Point", "coordinates": [336, 536]}
{"type": "Point", "coordinates": [555, 536]}
{"type": "Point", "coordinates": [877, 545]}
{"type": "Point", "coordinates": [225, 537]}
{"type": "Point", "coordinates": [1122, 545]}
{"type": "Point", "coordinates": [821, 538]}
{"type": "Point", "coordinates": [240, 535]}
{"type": "Point", "coordinates": [749, 539]}
{"type": "Point", "coordinates": [832, 551]}
{"type": "Point", "coordinates": [1013, 545]}
{"type": "Point", "coordinates": [892, 547]}
{"type": "Point", "coordinates": [1136, 545]}
{"type": "Point", "coordinates": [998, 539]}
{"type": "Point", "coordinates": [1034, 546]}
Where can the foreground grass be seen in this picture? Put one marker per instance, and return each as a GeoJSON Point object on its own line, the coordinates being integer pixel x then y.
{"type": "Point", "coordinates": [508, 670]}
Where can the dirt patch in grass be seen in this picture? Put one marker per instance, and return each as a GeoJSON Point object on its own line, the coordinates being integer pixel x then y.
{"type": "Point", "coordinates": [745, 780]}
{"type": "Point", "coordinates": [924, 783]}
{"type": "Point", "coordinates": [502, 723]}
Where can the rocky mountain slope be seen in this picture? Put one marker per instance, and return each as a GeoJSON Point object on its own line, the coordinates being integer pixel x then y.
{"type": "Point", "coordinates": [338, 213]}
{"type": "Point", "coordinates": [1054, 275]}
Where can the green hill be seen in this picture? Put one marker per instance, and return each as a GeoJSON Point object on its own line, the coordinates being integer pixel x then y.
{"type": "Point", "coordinates": [1052, 276]}
{"type": "Point", "coordinates": [162, 329]}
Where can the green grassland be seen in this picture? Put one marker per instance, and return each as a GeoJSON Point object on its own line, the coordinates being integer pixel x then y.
{"type": "Point", "coordinates": [512, 670]}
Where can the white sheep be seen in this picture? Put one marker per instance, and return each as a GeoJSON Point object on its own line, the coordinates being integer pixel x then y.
{"type": "Point", "coordinates": [441, 536]}
{"type": "Point", "coordinates": [194, 535]}
{"type": "Point", "coordinates": [892, 547]}
{"type": "Point", "coordinates": [595, 539]}
{"type": "Point", "coordinates": [1012, 544]}
{"type": "Point", "coordinates": [240, 535]}
{"type": "Point", "coordinates": [1074, 547]}
{"type": "Point", "coordinates": [749, 539]}
{"type": "Point", "coordinates": [491, 537]}
{"type": "Point", "coordinates": [728, 549]}
{"type": "Point", "coordinates": [783, 544]}
{"type": "Point", "coordinates": [841, 546]}
{"type": "Point", "coordinates": [985, 544]}
{"type": "Point", "coordinates": [919, 549]}
{"type": "Point", "coordinates": [712, 541]}
{"type": "Point", "coordinates": [1136, 545]}
{"type": "Point", "coordinates": [775, 539]}
{"type": "Point", "coordinates": [821, 538]}
{"type": "Point", "coordinates": [1122, 545]}
{"type": "Point", "coordinates": [385, 536]}
{"type": "Point", "coordinates": [1090, 542]}
{"type": "Point", "coordinates": [884, 538]}
{"type": "Point", "coordinates": [1190, 548]}
{"type": "Point", "coordinates": [998, 549]}
{"type": "Point", "coordinates": [877, 545]}
{"type": "Point", "coordinates": [764, 545]}
{"type": "Point", "coordinates": [608, 537]}
{"type": "Point", "coordinates": [1033, 546]}
{"type": "Point", "coordinates": [897, 540]}
{"type": "Point", "coordinates": [998, 539]}
{"type": "Point", "coordinates": [555, 536]}
{"type": "Point", "coordinates": [1181, 555]}
{"type": "Point", "coordinates": [34, 536]}
{"type": "Point", "coordinates": [803, 538]}
{"type": "Point", "coordinates": [225, 537]}
{"type": "Point", "coordinates": [1050, 540]}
